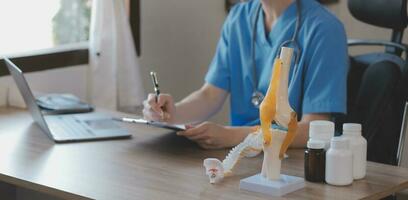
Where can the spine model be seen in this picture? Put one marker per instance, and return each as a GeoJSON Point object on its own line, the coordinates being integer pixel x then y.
{"type": "Point", "coordinates": [278, 129]}
{"type": "Point", "coordinates": [217, 170]}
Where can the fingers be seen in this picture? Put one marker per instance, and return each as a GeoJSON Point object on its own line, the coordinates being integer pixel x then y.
{"type": "Point", "coordinates": [164, 99]}
{"type": "Point", "coordinates": [149, 114]}
{"type": "Point", "coordinates": [166, 103]}
{"type": "Point", "coordinates": [197, 134]}
{"type": "Point", "coordinates": [201, 134]}
{"type": "Point", "coordinates": [198, 137]}
{"type": "Point", "coordinates": [165, 116]}
{"type": "Point", "coordinates": [153, 110]}
{"type": "Point", "coordinates": [195, 131]}
{"type": "Point", "coordinates": [152, 104]}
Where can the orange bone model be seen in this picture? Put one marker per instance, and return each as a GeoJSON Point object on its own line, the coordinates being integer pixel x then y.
{"type": "Point", "coordinates": [275, 108]}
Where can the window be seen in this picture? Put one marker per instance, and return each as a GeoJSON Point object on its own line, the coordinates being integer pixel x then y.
{"type": "Point", "coordinates": [33, 25]}
{"type": "Point", "coordinates": [48, 34]}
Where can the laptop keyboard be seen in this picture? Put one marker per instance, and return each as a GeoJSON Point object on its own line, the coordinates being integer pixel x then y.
{"type": "Point", "coordinates": [68, 127]}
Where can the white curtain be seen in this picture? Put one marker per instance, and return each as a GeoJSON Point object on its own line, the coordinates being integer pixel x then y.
{"type": "Point", "coordinates": [114, 75]}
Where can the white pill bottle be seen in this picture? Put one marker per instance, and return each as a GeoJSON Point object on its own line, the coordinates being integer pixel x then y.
{"type": "Point", "coordinates": [339, 162]}
{"type": "Point", "coordinates": [358, 146]}
{"type": "Point", "coordinates": [322, 131]}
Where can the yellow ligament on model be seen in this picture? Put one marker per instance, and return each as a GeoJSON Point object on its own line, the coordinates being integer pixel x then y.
{"type": "Point", "coordinates": [268, 111]}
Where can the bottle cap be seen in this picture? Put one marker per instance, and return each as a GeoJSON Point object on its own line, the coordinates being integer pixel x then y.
{"type": "Point", "coordinates": [315, 144]}
{"type": "Point", "coordinates": [320, 129]}
{"type": "Point", "coordinates": [352, 127]}
{"type": "Point", "coordinates": [339, 143]}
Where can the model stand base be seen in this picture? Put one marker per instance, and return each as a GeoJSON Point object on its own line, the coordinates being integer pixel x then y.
{"type": "Point", "coordinates": [286, 184]}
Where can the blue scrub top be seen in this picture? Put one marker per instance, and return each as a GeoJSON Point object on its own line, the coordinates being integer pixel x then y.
{"type": "Point", "coordinates": [318, 83]}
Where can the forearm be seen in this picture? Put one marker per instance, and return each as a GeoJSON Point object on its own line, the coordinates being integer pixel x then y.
{"type": "Point", "coordinates": [302, 134]}
{"type": "Point", "coordinates": [239, 133]}
{"type": "Point", "coordinates": [200, 105]}
{"type": "Point", "coordinates": [194, 108]}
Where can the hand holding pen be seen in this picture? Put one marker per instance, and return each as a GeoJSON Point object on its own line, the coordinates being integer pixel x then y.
{"type": "Point", "coordinates": [158, 107]}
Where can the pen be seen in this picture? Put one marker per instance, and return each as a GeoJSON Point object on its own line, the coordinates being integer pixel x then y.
{"type": "Point", "coordinates": [156, 89]}
{"type": "Point", "coordinates": [155, 84]}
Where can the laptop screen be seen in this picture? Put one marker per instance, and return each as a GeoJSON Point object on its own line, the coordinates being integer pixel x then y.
{"type": "Point", "coordinates": [28, 96]}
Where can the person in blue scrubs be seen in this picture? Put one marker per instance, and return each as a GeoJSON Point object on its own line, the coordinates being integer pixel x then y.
{"type": "Point", "coordinates": [317, 86]}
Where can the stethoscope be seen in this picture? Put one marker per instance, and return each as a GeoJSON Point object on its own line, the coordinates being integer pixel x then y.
{"type": "Point", "coordinates": [257, 96]}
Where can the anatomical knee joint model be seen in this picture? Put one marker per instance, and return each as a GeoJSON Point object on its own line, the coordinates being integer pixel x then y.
{"type": "Point", "coordinates": [278, 128]}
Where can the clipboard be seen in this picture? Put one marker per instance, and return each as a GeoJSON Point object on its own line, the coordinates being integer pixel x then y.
{"type": "Point", "coordinates": [174, 127]}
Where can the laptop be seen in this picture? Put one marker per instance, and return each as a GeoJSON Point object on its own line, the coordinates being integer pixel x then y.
{"type": "Point", "coordinates": [67, 127]}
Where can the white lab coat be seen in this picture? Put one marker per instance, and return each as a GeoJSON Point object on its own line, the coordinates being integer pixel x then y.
{"type": "Point", "coordinates": [114, 79]}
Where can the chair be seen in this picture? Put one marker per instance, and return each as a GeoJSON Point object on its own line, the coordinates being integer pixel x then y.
{"type": "Point", "coordinates": [403, 143]}
{"type": "Point", "coordinates": [378, 81]}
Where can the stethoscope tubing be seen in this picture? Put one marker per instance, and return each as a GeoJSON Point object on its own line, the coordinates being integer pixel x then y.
{"type": "Point", "coordinates": [257, 96]}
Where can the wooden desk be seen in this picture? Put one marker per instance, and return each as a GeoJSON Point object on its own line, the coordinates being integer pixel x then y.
{"type": "Point", "coordinates": [152, 165]}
